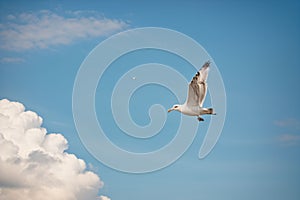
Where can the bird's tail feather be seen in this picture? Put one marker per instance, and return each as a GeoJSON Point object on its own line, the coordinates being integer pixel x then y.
{"type": "Point", "coordinates": [208, 111]}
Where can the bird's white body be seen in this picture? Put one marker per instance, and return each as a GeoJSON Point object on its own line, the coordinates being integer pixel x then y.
{"type": "Point", "coordinates": [193, 110]}
{"type": "Point", "coordinates": [196, 96]}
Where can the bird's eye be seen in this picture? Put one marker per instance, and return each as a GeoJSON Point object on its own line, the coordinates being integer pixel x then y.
{"type": "Point", "coordinates": [175, 106]}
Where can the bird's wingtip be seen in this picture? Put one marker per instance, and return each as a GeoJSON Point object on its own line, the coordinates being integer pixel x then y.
{"type": "Point", "coordinates": [206, 64]}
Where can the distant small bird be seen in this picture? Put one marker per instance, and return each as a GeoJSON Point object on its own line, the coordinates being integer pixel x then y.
{"type": "Point", "coordinates": [196, 95]}
{"type": "Point", "coordinates": [133, 78]}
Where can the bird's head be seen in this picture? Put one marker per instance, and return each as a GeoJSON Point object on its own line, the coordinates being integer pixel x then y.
{"type": "Point", "coordinates": [175, 107]}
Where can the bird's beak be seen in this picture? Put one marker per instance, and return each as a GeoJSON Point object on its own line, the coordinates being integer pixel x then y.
{"type": "Point", "coordinates": [170, 110]}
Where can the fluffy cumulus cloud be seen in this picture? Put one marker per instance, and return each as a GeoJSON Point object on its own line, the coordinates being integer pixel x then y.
{"type": "Point", "coordinates": [45, 28]}
{"type": "Point", "coordinates": [34, 164]}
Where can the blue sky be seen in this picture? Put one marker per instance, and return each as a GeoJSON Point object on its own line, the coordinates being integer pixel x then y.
{"type": "Point", "coordinates": [256, 46]}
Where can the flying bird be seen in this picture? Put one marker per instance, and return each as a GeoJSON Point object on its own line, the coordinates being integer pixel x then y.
{"type": "Point", "coordinates": [196, 96]}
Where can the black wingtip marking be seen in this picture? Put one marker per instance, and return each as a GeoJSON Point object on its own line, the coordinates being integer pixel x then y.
{"type": "Point", "coordinates": [207, 63]}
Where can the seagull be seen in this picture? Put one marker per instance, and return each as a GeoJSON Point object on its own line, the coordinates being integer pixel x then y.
{"type": "Point", "coordinates": [196, 96]}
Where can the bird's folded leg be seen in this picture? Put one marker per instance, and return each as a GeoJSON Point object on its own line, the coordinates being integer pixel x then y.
{"type": "Point", "coordinates": [200, 119]}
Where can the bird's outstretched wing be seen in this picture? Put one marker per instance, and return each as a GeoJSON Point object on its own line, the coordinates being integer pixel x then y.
{"type": "Point", "coordinates": [198, 87]}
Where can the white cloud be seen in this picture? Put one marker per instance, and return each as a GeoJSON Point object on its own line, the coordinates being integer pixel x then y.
{"type": "Point", "coordinates": [104, 198]}
{"type": "Point", "coordinates": [289, 123]}
{"type": "Point", "coordinates": [289, 139]}
{"type": "Point", "coordinates": [291, 127]}
{"type": "Point", "coordinates": [45, 28]}
{"type": "Point", "coordinates": [34, 164]}
{"type": "Point", "coordinates": [11, 60]}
